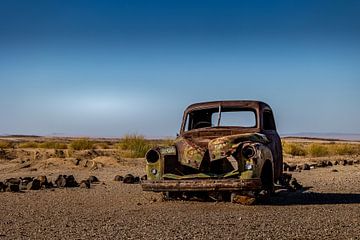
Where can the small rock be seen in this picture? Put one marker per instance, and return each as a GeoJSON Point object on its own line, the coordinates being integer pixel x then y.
{"type": "Point", "coordinates": [61, 181]}
{"type": "Point", "coordinates": [334, 170]}
{"type": "Point", "coordinates": [85, 184]}
{"type": "Point", "coordinates": [15, 181]}
{"type": "Point", "coordinates": [137, 180]}
{"type": "Point", "coordinates": [291, 168]}
{"type": "Point", "coordinates": [350, 162]}
{"type": "Point", "coordinates": [93, 179]}
{"type": "Point", "coordinates": [143, 178]}
{"type": "Point", "coordinates": [286, 166]}
{"type": "Point", "coordinates": [329, 163]}
{"type": "Point", "coordinates": [356, 161]}
{"type": "Point", "coordinates": [296, 185]}
{"type": "Point", "coordinates": [43, 181]}
{"type": "Point", "coordinates": [343, 162]}
{"type": "Point", "coordinates": [321, 164]}
{"type": "Point", "coordinates": [118, 178]}
{"type": "Point", "coordinates": [129, 179]}
{"type": "Point", "coordinates": [336, 162]}
{"type": "Point", "coordinates": [306, 166]}
{"type": "Point", "coordinates": [13, 187]}
{"type": "Point", "coordinates": [71, 182]}
{"type": "Point", "coordinates": [284, 179]}
{"type": "Point", "coordinates": [34, 185]}
{"type": "Point", "coordinates": [2, 187]}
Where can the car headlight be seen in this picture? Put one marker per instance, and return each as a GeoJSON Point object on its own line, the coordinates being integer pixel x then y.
{"type": "Point", "coordinates": [248, 151]}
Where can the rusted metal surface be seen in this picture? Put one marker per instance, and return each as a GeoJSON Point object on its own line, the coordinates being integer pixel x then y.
{"type": "Point", "coordinates": [201, 185]}
{"type": "Point", "coordinates": [204, 147]}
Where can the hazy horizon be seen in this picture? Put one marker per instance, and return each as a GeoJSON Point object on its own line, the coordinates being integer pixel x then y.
{"type": "Point", "coordinates": [93, 68]}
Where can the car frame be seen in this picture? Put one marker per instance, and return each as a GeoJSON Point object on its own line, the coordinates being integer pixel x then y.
{"type": "Point", "coordinates": [225, 161]}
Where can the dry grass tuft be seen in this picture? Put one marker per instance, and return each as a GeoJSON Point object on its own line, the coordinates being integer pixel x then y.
{"type": "Point", "coordinates": [82, 144]}
{"type": "Point", "coordinates": [134, 146]}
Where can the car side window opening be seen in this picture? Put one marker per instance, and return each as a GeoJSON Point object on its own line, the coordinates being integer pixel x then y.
{"type": "Point", "coordinates": [268, 120]}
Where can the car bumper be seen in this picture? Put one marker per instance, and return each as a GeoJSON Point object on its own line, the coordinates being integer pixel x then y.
{"type": "Point", "coordinates": [201, 185]}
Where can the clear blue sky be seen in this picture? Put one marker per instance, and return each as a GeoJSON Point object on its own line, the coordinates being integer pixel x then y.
{"type": "Point", "coordinates": [107, 68]}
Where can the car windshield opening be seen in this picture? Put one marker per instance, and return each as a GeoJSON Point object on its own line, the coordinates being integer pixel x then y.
{"type": "Point", "coordinates": [221, 117]}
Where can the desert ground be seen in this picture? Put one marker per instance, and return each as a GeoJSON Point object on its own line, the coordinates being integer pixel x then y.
{"type": "Point", "coordinates": [328, 206]}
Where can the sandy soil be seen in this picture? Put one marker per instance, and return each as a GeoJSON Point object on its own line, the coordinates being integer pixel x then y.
{"type": "Point", "coordinates": [329, 209]}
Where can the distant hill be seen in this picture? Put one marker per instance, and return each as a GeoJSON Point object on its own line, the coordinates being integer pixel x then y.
{"type": "Point", "coordinates": [336, 136]}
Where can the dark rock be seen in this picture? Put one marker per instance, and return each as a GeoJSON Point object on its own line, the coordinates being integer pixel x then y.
{"type": "Point", "coordinates": [296, 185]}
{"type": "Point", "coordinates": [321, 164]}
{"type": "Point", "coordinates": [329, 163]}
{"type": "Point", "coordinates": [61, 181]}
{"type": "Point", "coordinates": [143, 178]}
{"type": "Point", "coordinates": [15, 181]}
{"type": "Point", "coordinates": [13, 187]}
{"type": "Point", "coordinates": [50, 185]}
{"type": "Point", "coordinates": [334, 170]}
{"type": "Point", "coordinates": [60, 153]}
{"type": "Point", "coordinates": [34, 185]}
{"type": "Point", "coordinates": [2, 187]}
{"type": "Point", "coordinates": [350, 162]}
{"type": "Point", "coordinates": [129, 179]}
{"type": "Point", "coordinates": [336, 162]}
{"type": "Point", "coordinates": [137, 180]}
{"type": "Point", "coordinates": [292, 168]}
{"type": "Point", "coordinates": [286, 166]}
{"type": "Point", "coordinates": [343, 162]}
{"type": "Point", "coordinates": [356, 161]}
{"type": "Point", "coordinates": [284, 179]}
{"type": "Point", "coordinates": [93, 179]}
{"type": "Point", "coordinates": [118, 178]}
{"type": "Point", "coordinates": [85, 184]}
{"type": "Point", "coordinates": [71, 182]}
{"type": "Point", "coordinates": [43, 181]}
{"type": "Point", "coordinates": [306, 166]}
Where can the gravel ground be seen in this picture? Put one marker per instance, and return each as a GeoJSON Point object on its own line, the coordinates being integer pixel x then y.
{"type": "Point", "coordinates": [329, 209]}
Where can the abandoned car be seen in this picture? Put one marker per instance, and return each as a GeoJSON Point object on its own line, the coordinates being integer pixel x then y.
{"type": "Point", "coordinates": [225, 149]}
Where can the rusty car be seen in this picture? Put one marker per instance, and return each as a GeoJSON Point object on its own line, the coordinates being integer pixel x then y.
{"type": "Point", "coordinates": [225, 150]}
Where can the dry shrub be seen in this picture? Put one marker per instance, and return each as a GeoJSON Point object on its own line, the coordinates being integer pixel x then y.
{"type": "Point", "coordinates": [102, 145]}
{"type": "Point", "coordinates": [6, 144]}
{"type": "Point", "coordinates": [345, 149]}
{"type": "Point", "coordinates": [294, 149]}
{"type": "Point", "coordinates": [53, 145]}
{"type": "Point", "coordinates": [134, 146]}
{"type": "Point", "coordinates": [318, 150]}
{"type": "Point", "coordinates": [29, 145]}
{"type": "Point", "coordinates": [82, 144]}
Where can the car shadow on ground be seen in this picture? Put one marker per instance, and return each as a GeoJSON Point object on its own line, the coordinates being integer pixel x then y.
{"type": "Point", "coordinates": [305, 197]}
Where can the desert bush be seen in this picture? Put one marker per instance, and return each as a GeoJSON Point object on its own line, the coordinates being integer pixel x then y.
{"type": "Point", "coordinates": [318, 150]}
{"type": "Point", "coordinates": [28, 145]}
{"type": "Point", "coordinates": [82, 144]}
{"type": "Point", "coordinates": [53, 145]}
{"type": "Point", "coordinates": [134, 145]}
{"type": "Point", "coordinates": [345, 149]}
{"type": "Point", "coordinates": [167, 142]}
{"type": "Point", "coordinates": [6, 144]}
{"type": "Point", "coordinates": [102, 145]}
{"type": "Point", "coordinates": [294, 149]}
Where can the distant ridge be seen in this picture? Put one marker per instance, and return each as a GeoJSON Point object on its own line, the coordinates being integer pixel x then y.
{"type": "Point", "coordinates": [326, 136]}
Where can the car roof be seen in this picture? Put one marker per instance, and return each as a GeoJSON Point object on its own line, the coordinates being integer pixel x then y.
{"type": "Point", "coordinates": [228, 103]}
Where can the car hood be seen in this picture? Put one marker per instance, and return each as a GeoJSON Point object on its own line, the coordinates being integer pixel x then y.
{"type": "Point", "coordinates": [193, 151]}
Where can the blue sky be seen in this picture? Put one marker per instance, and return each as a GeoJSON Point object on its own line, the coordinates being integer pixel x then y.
{"type": "Point", "coordinates": [107, 68]}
